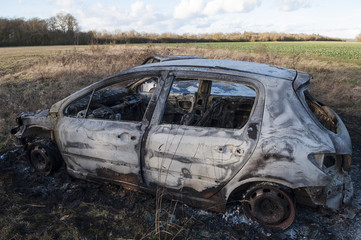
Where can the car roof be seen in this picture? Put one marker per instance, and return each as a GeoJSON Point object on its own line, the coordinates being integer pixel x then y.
{"type": "Point", "coordinates": [241, 66]}
{"type": "Point", "coordinates": [164, 58]}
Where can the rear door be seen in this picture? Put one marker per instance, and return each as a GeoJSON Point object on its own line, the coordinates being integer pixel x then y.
{"type": "Point", "coordinates": [202, 134]}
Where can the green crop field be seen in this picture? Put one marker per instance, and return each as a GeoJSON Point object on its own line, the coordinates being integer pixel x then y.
{"type": "Point", "coordinates": [345, 50]}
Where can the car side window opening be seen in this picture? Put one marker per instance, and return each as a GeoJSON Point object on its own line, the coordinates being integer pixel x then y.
{"type": "Point", "coordinates": [209, 103]}
{"type": "Point", "coordinates": [323, 113]}
{"type": "Point", "coordinates": [114, 102]}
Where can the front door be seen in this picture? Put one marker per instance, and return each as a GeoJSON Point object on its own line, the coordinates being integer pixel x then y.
{"type": "Point", "coordinates": [100, 133]}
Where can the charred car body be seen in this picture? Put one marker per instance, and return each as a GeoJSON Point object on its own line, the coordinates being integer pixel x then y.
{"type": "Point", "coordinates": [209, 132]}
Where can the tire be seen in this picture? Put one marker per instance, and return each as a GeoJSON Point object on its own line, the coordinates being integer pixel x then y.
{"type": "Point", "coordinates": [270, 205]}
{"type": "Point", "coordinates": [44, 157]}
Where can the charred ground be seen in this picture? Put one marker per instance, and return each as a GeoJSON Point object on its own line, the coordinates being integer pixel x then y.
{"type": "Point", "coordinates": [60, 207]}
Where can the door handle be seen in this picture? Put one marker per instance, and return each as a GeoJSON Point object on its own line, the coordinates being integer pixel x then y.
{"type": "Point", "coordinates": [126, 137]}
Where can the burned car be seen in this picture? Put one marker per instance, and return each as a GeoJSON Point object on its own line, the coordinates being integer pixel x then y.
{"type": "Point", "coordinates": [208, 132]}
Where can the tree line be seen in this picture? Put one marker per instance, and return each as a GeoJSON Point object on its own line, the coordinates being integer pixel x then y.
{"type": "Point", "coordinates": [63, 29]}
{"type": "Point", "coordinates": [136, 37]}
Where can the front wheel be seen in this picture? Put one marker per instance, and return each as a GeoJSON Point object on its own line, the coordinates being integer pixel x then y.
{"type": "Point", "coordinates": [44, 157]}
{"type": "Point", "coordinates": [270, 206]}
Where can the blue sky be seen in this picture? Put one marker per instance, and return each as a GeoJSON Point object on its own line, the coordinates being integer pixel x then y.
{"type": "Point", "coordinates": [326, 17]}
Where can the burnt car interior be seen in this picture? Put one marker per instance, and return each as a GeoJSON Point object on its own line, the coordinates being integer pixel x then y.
{"type": "Point", "coordinates": [112, 102]}
{"type": "Point", "coordinates": [207, 103]}
{"type": "Point", "coordinates": [192, 102]}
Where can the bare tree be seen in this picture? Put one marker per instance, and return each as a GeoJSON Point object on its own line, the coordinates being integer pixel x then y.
{"type": "Point", "coordinates": [63, 22]}
{"type": "Point", "coordinates": [67, 25]}
{"type": "Point", "coordinates": [358, 38]}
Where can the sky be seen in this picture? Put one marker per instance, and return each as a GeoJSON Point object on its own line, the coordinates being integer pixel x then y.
{"type": "Point", "coordinates": [332, 18]}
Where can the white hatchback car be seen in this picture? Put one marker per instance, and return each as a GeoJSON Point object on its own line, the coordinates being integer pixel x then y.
{"type": "Point", "coordinates": [208, 132]}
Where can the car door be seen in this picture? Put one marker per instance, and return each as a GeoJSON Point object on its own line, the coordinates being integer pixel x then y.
{"type": "Point", "coordinates": [202, 135]}
{"type": "Point", "coordinates": [100, 132]}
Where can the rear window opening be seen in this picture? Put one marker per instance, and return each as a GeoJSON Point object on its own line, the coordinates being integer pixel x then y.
{"type": "Point", "coordinates": [209, 103]}
{"type": "Point", "coordinates": [323, 113]}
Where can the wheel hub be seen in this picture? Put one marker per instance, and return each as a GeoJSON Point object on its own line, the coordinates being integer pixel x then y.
{"type": "Point", "coordinates": [270, 206]}
{"type": "Point", "coordinates": [40, 159]}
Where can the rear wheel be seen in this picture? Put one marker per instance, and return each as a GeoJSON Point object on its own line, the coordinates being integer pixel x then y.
{"type": "Point", "coordinates": [44, 157]}
{"type": "Point", "coordinates": [270, 206]}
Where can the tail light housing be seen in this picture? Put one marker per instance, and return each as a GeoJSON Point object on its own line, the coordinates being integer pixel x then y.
{"type": "Point", "coordinates": [331, 161]}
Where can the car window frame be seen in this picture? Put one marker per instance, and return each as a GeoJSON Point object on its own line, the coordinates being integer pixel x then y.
{"type": "Point", "coordinates": [223, 76]}
{"type": "Point", "coordinates": [118, 78]}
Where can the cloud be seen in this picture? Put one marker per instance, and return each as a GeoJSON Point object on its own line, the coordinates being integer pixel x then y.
{"type": "Point", "coordinates": [137, 16]}
{"type": "Point", "coordinates": [231, 6]}
{"type": "Point", "coordinates": [198, 8]}
{"type": "Point", "coordinates": [136, 9]}
{"type": "Point", "coordinates": [292, 5]}
{"type": "Point", "coordinates": [141, 10]}
{"type": "Point", "coordinates": [188, 8]}
{"type": "Point", "coordinates": [65, 3]}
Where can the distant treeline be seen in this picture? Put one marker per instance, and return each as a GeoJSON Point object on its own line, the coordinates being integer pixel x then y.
{"type": "Point", "coordinates": [63, 29]}
{"type": "Point", "coordinates": [136, 37]}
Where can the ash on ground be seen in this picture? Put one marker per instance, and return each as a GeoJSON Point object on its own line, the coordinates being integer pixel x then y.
{"type": "Point", "coordinates": [33, 206]}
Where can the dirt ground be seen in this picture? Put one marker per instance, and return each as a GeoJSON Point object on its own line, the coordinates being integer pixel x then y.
{"type": "Point", "coordinates": [60, 207]}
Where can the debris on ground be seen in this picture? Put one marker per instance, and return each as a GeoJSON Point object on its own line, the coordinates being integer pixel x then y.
{"type": "Point", "coordinates": [33, 206]}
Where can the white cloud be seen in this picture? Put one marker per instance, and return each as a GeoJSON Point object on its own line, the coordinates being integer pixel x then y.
{"type": "Point", "coordinates": [65, 3]}
{"type": "Point", "coordinates": [136, 9]}
{"type": "Point", "coordinates": [231, 6]}
{"type": "Point", "coordinates": [141, 10]}
{"type": "Point", "coordinates": [188, 8]}
{"type": "Point", "coordinates": [292, 5]}
{"type": "Point", "coordinates": [199, 8]}
{"type": "Point", "coordinates": [138, 16]}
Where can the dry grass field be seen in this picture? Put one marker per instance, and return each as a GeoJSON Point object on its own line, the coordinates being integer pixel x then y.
{"type": "Point", "coordinates": [60, 207]}
{"type": "Point", "coordinates": [33, 78]}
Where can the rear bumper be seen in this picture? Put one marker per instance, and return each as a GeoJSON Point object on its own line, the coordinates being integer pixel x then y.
{"type": "Point", "coordinates": [335, 195]}
{"type": "Point", "coordinates": [339, 193]}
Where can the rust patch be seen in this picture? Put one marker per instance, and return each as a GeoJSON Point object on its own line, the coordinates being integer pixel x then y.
{"type": "Point", "coordinates": [211, 199]}
{"type": "Point", "coordinates": [128, 181]}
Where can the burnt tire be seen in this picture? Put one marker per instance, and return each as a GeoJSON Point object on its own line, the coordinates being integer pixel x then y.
{"type": "Point", "coordinates": [270, 205]}
{"type": "Point", "coordinates": [44, 157]}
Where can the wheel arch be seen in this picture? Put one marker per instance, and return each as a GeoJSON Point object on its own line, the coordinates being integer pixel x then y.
{"type": "Point", "coordinates": [255, 194]}
{"type": "Point", "coordinates": [243, 186]}
{"type": "Point", "coordinates": [51, 151]}
{"type": "Point", "coordinates": [36, 131]}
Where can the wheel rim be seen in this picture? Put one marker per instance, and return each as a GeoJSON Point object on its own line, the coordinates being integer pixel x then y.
{"type": "Point", "coordinates": [40, 160]}
{"type": "Point", "coordinates": [270, 206]}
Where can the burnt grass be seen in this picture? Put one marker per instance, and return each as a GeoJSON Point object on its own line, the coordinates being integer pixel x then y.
{"type": "Point", "coordinates": [33, 206]}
